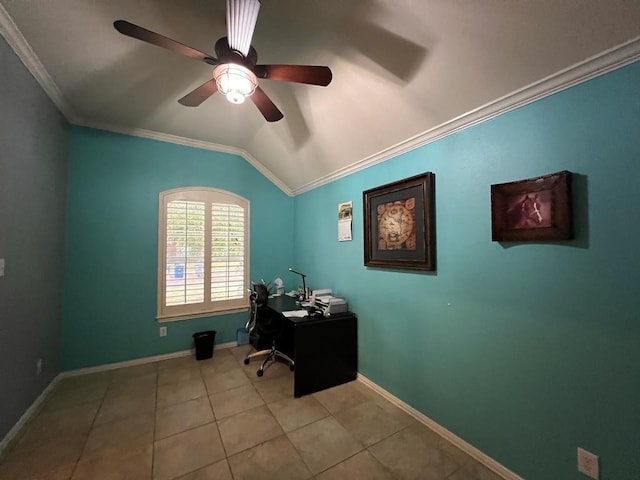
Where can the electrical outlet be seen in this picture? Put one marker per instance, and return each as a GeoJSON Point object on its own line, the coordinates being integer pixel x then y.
{"type": "Point", "coordinates": [588, 463]}
{"type": "Point", "coordinates": [163, 331]}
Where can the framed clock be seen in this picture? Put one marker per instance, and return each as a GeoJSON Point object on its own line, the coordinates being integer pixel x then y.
{"type": "Point", "coordinates": [398, 224]}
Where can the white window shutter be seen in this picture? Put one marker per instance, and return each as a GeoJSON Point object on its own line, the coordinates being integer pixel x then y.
{"type": "Point", "coordinates": [203, 257]}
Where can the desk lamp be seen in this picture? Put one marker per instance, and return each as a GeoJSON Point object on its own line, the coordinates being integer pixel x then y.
{"type": "Point", "coordinates": [304, 286]}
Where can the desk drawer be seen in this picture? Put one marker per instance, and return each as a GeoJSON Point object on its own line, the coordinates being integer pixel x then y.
{"type": "Point", "coordinates": [326, 353]}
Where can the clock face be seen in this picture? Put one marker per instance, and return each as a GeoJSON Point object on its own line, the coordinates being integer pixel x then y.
{"type": "Point", "coordinates": [396, 225]}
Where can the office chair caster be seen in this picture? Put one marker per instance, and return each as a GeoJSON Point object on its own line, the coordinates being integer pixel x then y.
{"type": "Point", "coordinates": [260, 373]}
{"type": "Point", "coordinates": [246, 361]}
{"type": "Point", "coordinates": [292, 367]}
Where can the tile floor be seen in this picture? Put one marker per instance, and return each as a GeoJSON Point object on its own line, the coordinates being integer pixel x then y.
{"type": "Point", "coordinates": [216, 420]}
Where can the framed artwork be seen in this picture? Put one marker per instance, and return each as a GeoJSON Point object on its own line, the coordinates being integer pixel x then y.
{"type": "Point", "coordinates": [532, 210]}
{"type": "Point", "coordinates": [398, 224]}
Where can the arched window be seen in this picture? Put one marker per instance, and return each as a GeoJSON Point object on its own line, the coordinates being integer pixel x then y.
{"type": "Point", "coordinates": [203, 253]}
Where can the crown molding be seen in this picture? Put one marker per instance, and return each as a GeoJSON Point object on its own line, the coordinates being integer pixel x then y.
{"type": "Point", "coordinates": [592, 67]}
{"type": "Point", "coordinates": [15, 39]}
{"type": "Point", "coordinates": [189, 142]}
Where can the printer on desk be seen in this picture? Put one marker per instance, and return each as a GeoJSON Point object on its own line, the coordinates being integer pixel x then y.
{"type": "Point", "coordinates": [329, 304]}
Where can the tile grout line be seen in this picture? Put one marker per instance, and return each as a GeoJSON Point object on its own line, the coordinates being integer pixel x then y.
{"type": "Point", "coordinates": [215, 420]}
{"type": "Point", "coordinates": [155, 423]}
{"type": "Point", "coordinates": [93, 424]}
{"type": "Point", "coordinates": [112, 382]}
{"type": "Point", "coordinates": [366, 447]}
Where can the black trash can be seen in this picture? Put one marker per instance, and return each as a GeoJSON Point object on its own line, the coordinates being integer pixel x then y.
{"type": "Point", "coordinates": [204, 344]}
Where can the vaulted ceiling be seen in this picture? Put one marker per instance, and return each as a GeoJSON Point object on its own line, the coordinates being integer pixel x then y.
{"type": "Point", "coordinates": [404, 71]}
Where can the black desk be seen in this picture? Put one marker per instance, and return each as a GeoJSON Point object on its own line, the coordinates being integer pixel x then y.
{"type": "Point", "coordinates": [325, 349]}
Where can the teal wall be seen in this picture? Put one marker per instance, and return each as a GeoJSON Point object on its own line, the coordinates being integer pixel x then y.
{"type": "Point", "coordinates": [112, 230]}
{"type": "Point", "coordinates": [526, 351]}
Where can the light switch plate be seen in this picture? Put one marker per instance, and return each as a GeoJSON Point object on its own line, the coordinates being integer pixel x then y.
{"type": "Point", "coordinates": [1, 267]}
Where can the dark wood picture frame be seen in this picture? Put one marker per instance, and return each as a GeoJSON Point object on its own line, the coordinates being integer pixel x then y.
{"type": "Point", "coordinates": [532, 210]}
{"type": "Point", "coordinates": [399, 224]}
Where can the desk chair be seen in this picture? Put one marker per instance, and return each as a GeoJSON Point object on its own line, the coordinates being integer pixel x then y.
{"type": "Point", "coordinates": [265, 327]}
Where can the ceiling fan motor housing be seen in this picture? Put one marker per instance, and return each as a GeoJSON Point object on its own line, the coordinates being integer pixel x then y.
{"type": "Point", "coordinates": [227, 55]}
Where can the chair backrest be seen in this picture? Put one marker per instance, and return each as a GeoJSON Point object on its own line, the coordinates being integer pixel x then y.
{"type": "Point", "coordinates": [259, 298]}
{"type": "Point", "coordinates": [260, 294]}
{"type": "Point", "coordinates": [267, 323]}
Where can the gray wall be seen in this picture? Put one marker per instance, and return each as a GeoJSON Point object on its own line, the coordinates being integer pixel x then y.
{"type": "Point", "coordinates": [33, 168]}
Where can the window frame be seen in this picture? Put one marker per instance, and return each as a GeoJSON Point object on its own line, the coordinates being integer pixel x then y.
{"type": "Point", "coordinates": [209, 196]}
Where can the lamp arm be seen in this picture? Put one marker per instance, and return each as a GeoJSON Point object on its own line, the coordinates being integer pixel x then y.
{"type": "Point", "coordinates": [304, 286]}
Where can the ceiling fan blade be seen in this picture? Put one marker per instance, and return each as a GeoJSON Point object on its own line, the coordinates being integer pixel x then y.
{"type": "Point", "coordinates": [140, 33]}
{"type": "Point", "coordinates": [241, 21]}
{"type": "Point", "coordinates": [200, 94]}
{"type": "Point", "coordinates": [310, 74]}
{"type": "Point", "coordinates": [382, 47]}
{"type": "Point", "coordinates": [267, 108]}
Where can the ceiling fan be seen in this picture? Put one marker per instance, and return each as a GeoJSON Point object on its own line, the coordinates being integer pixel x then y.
{"type": "Point", "coordinates": [236, 71]}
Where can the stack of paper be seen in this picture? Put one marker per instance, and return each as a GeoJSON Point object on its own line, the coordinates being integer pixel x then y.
{"type": "Point", "coordinates": [295, 313]}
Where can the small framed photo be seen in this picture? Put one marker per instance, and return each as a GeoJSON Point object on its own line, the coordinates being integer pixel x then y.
{"type": "Point", "coordinates": [398, 224]}
{"type": "Point", "coordinates": [532, 210]}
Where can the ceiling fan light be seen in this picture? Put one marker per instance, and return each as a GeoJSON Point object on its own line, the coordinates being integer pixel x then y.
{"type": "Point", "coordinates": [235, 82]}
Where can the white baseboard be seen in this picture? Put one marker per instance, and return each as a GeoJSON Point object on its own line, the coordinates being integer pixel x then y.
{"type": "Point", "coordinates": [138, 361]}
{"type": "Point", "coordinates": [26, 416]}
{"type": "Point", "coordinates": [484, 459]}
{"type": "Point", "coordinates": [35, 406]}
{"type": "Point", "coordinates": [481, 457]}
{"type": "Point", "coordinates": [128, 363]}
